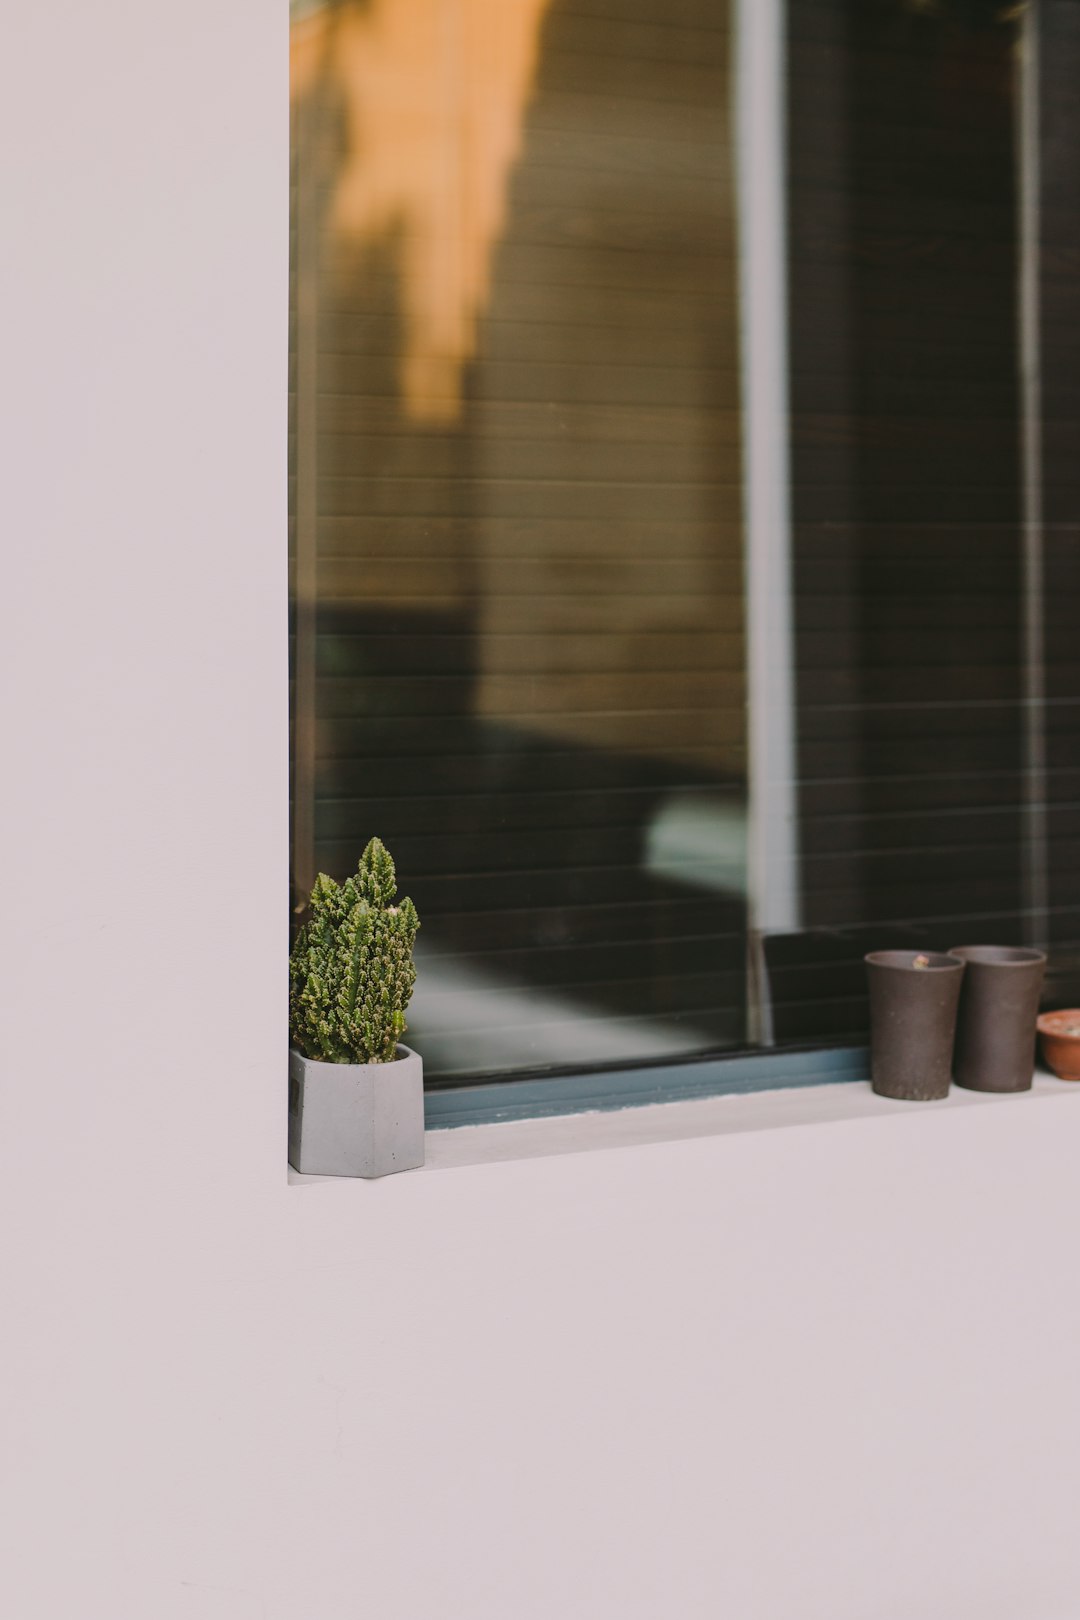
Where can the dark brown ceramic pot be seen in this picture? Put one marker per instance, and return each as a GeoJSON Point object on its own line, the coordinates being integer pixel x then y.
{"type": "Point", "coordinates": [1060, 1035]}
{"type": "Point", "coordinates": [913, 1000]}
{"type": "Point", "coordinates": [995, 1027]}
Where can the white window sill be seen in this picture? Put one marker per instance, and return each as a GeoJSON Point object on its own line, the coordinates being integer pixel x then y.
{"type": "Point", "coordinates": [602, 1131]}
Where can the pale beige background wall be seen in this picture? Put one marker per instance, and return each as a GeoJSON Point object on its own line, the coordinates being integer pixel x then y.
{"type": "Point", "coordinates": [826, 1372]}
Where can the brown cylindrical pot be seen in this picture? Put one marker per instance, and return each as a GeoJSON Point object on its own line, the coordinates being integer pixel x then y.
{"type": "Point", "coordinates": [995, 1027]}
{"type": "Point", "coordinates": [1060, 1033]}
{"type": "Point", "coordinates": [913, 1000]}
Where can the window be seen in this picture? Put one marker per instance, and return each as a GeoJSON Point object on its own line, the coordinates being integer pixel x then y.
{"type": "Point", "coordinates": [661, 737]}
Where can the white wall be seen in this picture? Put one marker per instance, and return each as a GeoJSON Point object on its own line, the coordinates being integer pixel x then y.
{"type": "Point", "coordinates": [819, 1372]}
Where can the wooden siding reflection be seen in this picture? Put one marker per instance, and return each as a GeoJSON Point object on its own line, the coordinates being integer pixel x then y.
{"type": "Point", "coordinates": [529, 618]}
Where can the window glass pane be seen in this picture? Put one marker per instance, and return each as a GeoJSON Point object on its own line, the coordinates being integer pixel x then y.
{"type": "Point", "coordinates": [918, 262]}
{"type": "Point", "coordinates": [516, 512]}
{"type": "Point", "coordinates": [1055, 318]}
{"type": "Point", "coordinates": [661, 753]}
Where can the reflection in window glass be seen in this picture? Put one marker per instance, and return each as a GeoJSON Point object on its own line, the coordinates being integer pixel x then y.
{"type": "Point", "coordinates": [931, 150]}
{"type": "Point", "coordinates": [516, 510]}
{"type": "Point", "coordinates": [659, 756]}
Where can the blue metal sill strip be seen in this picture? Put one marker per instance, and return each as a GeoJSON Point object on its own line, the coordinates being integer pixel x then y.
{"type": "Point", "coordinates": [499, 1101]}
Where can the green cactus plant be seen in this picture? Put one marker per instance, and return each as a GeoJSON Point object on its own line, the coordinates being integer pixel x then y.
{"type": "Point", "coordinates": [351, 971]}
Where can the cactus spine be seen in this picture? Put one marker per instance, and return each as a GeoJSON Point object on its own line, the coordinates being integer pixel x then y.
{"type": "Point", "coordinates": [351, 972]}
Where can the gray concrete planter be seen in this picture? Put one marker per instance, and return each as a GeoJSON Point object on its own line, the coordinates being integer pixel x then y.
{"type": "Point", "coordinates": [356, 1119]}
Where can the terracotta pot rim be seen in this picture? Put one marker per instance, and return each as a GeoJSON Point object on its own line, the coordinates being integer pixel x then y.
{"type": "Point", "coordinates": [904, 961]}
{"type": "Point", "coordinates": [1048, 1023]}
{"type": "Point", "coordinates": [999, 956]}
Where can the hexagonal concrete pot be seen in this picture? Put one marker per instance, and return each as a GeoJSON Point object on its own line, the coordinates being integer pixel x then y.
{"type": "Point", "coordinates": [356, 1119]}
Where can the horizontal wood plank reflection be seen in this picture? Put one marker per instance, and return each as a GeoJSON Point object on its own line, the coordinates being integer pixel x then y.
{"type": "Point", "coordinates": [530, 625]}
{"type": "Point", "coordinates": [906, 478]}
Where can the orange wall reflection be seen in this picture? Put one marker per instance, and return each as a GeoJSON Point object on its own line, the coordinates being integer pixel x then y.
{"type": "Point", "coordinates": [520, 444]}
{"type": "Point", "coordinates": [431, 95]}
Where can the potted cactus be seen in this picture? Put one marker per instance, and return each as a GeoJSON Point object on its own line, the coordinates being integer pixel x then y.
{"type": "Point", "coordinates": [356, 1095]}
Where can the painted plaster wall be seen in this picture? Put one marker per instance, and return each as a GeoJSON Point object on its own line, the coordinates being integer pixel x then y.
{"type": "Point", "coordinates": [826, 1372]}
